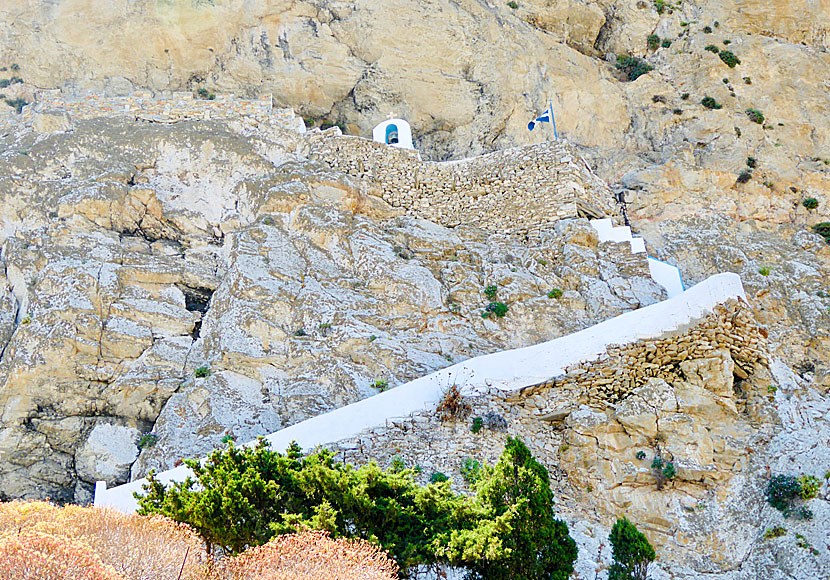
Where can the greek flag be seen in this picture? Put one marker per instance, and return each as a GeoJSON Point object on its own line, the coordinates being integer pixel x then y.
{"type": "Point", "coordinates": [543, 118]}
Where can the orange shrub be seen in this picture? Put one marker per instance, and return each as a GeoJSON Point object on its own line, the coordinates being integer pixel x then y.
{"type": "Point", "coordinates": [310, 556]}
{"type": "Point", "coordinates": [137, 547]}
{"type": "Point", "coordinates": [36, 556]}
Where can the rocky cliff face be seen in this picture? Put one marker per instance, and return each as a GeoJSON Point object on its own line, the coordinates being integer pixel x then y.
{"type": "Point", "coordinates": [137, 253]}
{"type": "Point", "coordinates": [176, 278]}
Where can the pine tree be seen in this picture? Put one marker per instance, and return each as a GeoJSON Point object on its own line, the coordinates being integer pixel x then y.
{"type": "Point", "coordinates": [631, 550]}
{"type": "Point", "coordinates": [509, 532]}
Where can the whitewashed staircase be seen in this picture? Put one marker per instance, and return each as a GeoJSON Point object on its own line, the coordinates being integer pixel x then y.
{"type": "Point", "coordinates": [666, 275]}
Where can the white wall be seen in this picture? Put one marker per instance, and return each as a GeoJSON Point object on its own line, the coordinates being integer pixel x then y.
{"type": "Point", "coordinates": [508, 370]}
{"type": "Point", "coordinates": [404, 133]}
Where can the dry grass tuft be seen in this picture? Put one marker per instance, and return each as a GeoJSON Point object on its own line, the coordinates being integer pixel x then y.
{"type": "Point", "coordinates": [311, 556]}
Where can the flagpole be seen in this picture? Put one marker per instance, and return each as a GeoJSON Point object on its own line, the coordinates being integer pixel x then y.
{"type": "Point", "coordinates": [553, 121]}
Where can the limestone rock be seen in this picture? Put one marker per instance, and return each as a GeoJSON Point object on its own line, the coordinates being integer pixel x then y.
{"type": "Point", "coordinates": [108, 453]}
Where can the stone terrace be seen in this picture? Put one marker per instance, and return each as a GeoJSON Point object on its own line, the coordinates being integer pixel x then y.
{"type": "Point", "coordinates": [522, 190]}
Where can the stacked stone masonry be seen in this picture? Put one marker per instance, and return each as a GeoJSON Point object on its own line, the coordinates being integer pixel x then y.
{"type": "Point", "coordinates": [163, 108]}
{"type": "Point", "coordinates": [522, 190]}
{"type": "Point", "coordinates": [536, 413]}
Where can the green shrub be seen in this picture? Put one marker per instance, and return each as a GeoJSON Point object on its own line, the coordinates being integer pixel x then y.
{"type": "Point", "coordinates": [513, 4]}
{"type": "Point", "coordinates": [810, 203]}
{"type": "Point", "coordinates": [641, 455]}
{"type": "Point", "coordinates": [478, 424]}
{"type": "Point", "coordinates": [823, 229]}
{"type": "Point", "coordinates": [380, 384]}
{"type": "Point", "coordinates": [712, 48]}
{"type": "Point", "coordinates": [710, 103]}
{"type": "Point", "coordinates": [202, 372]}
{"type": "Point", "coordinates": [470, 470]}
{"type": "Point", "coordinates": [782, 491]}
{"type": "Point", "coordinates": [438, 477]}
{"type": "Point", "coordinates": [747, 81]}
{"type": "Point", "coordinates": [555, 293]}
{"type": "Point", "coordinates": [631, 550]}
{"type": "Point", "coordinates": [707, 30]}
{"type": "Point", "coordinates": [397, 464]}
{"type": "Point", "coordinates": [751, 162]}
{"type": "Point", "coordinates": [147, 440]}
{"type": "Point", "coordinates": [227, 439]}
{"type": "Point", "coordinates": [755, 116]}
{"type": "Point", "coordinates": [810, 485]}
{"type": "Point", "coordinates": [763, 271]}
{"type": "Point", "coordinates": [666, 43]}
{"type": "Point", "coordinates": [775, 532]}
{"type": "Point", "coordinates": [499, 309]}
{"type": "Point", "coordinates": [491, 292]}
{"type": "Point", "coordinates": [727, 41]}
{"type": "Point", "coordinates": [663, 471]}
{"type": "Point", "coordinates": [515, 535]}
{"type": "Point", "coordinates": [653, 42]}
{"type": "Point", "coordinates": [16, 104]}
{"type": "Point", "coordinates": [633, 67]}
{"type": "Point", "coordinates": [744, 176]}
{"type": "Point", "coordinates": [660, 6]}
{"type": "Point", "coordinates": [729, 58]}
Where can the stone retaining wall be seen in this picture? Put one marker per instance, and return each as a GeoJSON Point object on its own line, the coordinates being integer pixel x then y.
{"type": "Point", "coordinates": [522, 190]}
{"type": "Point", "coordinates": [535, 413]}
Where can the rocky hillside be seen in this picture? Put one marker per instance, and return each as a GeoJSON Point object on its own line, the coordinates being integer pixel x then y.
{"type": "Point", "coordinates": [216, 277]}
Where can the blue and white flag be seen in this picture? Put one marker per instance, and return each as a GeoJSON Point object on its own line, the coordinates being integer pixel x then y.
{"type": "Point", "coordinates": [543, 118]}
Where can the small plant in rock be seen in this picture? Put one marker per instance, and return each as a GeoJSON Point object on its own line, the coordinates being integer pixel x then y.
{"type": "Point", "coordinates": [202, 372]}
{"type": "Point", "coordinates": [712, 48]}
{"type": "Point", "coordinates": [751, 162]}
{"type": "Point", "coordinates": [324, 326]}
{"type": "Point", "coordinates": [470, 470]}
{"type": "Point", "coordinates": [653, 42]}
{"type": "Point", "coordinates": [747, 80]}
{"type": "Point", "coordinates": [478, 425]}
{"type": "Point", "coordinates": [300, 332]}
{"type": "Point", "coordinates": [685, 96]}
{"type": "Point", "coordinates": [755, 116]}
{"type": "Point", "coordinates": [397, 463]}
{"type": "Point", "coordinates": [710, 103]}
{"type": "Point", "coordinates": [659, 99]}
{"type": "Point", "coordinates": [438, 477]}
{"type": "Point", "coordinates": [631, 550]}
{"type": "Point", "coordinates": [729, 58]}
{"type": "Point", "coordinates": [744, 176]}
{"type": "Point", "coordinates": [775, 532]}
{"type": "Point", "coordinates": [727, 41]}
{"type": "Point", "coordinates": [772, 389]}
{"type": "Point", "coordinates": [707, 30]}
{"type": "Point", "coordinates": [381, 385]}
{"type": "Point", "coordinates": [26, 320]}
{"type": "Point", "coordinates": [372, 338]}
{"type": "Point", "coordinates": [810, 486]}
{"type": "Point", "coordinates": [802, 542]}
{"type": "Point", "coordinates": [810, 203]}
{"type": "Point", "coordinates": [633, 67]}
{"type": "Point", "coordinates": [641, 455]}
{"type": "Point", "coordinates": [495, 422]}
{"type": "Point", "coordinates": [823, 229]}
{"type": "Point", "coordinates": [663, 471]}
{"type": "Point", "coordinates": [666, 43]}
{"type": "Point", "coordinates": [147, 440]}
{"type": "Point", "coordinates": [17, 104]}
{"type": "Point", "coordinates": [499, 309]}
{"type": "Point", "coordinates": [453, 405]}
{"type": "Point", "coordinates": [786, 492]}
{"type": "Point", "coordinates": [513, 4]}
{"type": "Point", "coordinates": [491, 292]}
{"type": "Point", "coordinates": [763, 271]}
{"type": "Point", "coordinates": [555, 293]}
{"type": "Point", "coordinates": [661, 5]}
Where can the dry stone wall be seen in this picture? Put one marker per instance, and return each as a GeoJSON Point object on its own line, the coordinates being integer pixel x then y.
{"type": "Point", "coordinates": [536, 412]}
{"type": "Point", "coordinates": [522, 190]}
